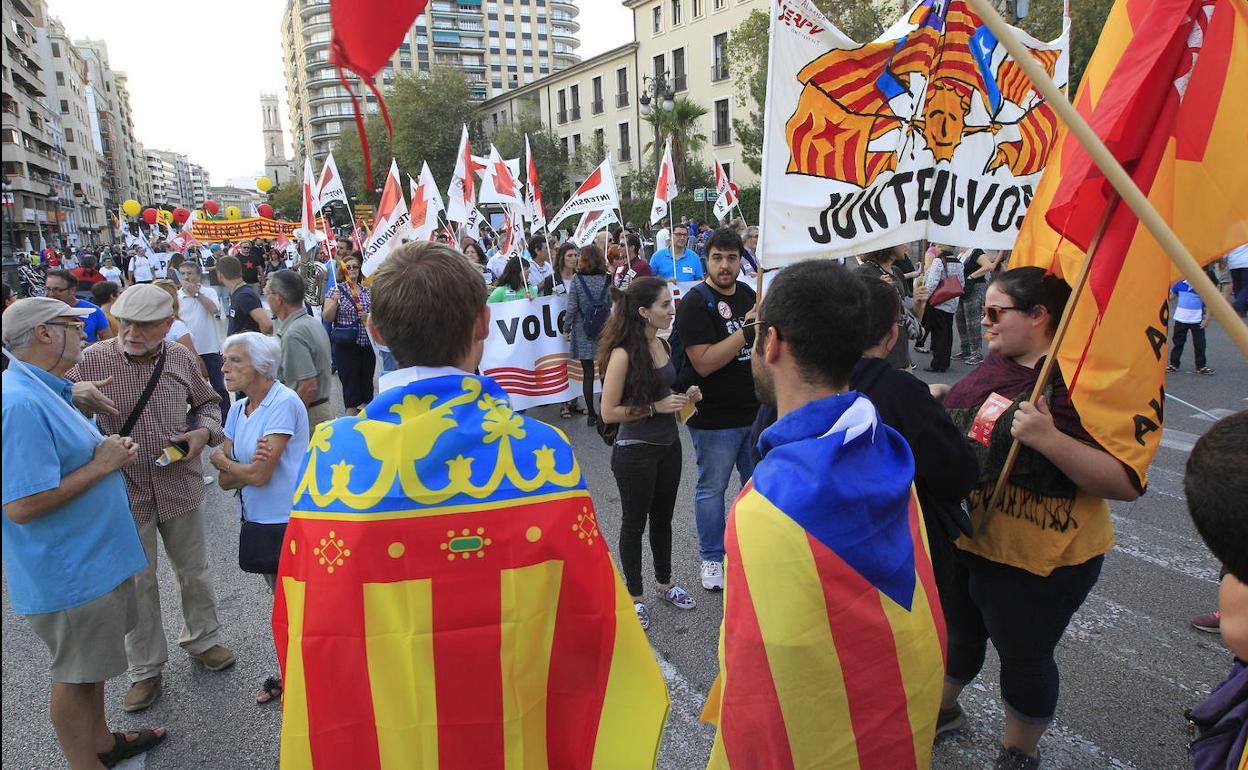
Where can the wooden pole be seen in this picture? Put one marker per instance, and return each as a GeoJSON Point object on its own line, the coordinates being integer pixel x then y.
{"type": "Point", "coordinates": [1122, 182]}
{"type": "Point", "coordinates": [1050, 360]}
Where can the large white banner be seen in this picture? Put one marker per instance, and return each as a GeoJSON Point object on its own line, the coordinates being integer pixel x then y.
{"type": "Point", "coordinates": [929, 132]}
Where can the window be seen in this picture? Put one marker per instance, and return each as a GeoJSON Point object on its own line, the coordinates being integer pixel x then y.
{"type": "Point", "coordinates": [727, 171]}
{"type": "Point", "coordinates": [697, 8]}
{"type": "Point", "coordinates": [658, 19]}
{"type": "Point", "coordinates": [64, 107]}
{"type": "Point", "coordinates": [597, 103]}
{"type": "Point", "coordinates": [600, 139]}
{"type": "Point", "coordinates": [676, 19]}
{"type": "Point", "coordinates": [60, 78]}
{"type": "Point", "coordinates": [680, 82]}
{"type": "Point", "coordinates": [625, 152]}
{"type": "Point", "coordinates": [563, 106]}
{"type": "Point", "coordinates": [722, 134]}
{"type": "Point", "coordinates": [576, 102]}
{"type": "Point", "coordinates": [73, 163]}
{"type": "Point", "coordinates": [719, 56]}
{"type": "Point", "coordinates": [720, 4]}
{"type": "Point", "coordinates": [56, 50]}
{"type": "Point", "coordinates": [563, 144]}
{"type": "Point", "coordinates": [660, 66]}
{"type": "Point", "coordinates": [621, 87]}
{"type": "Point", "coordinates": [576, 143]}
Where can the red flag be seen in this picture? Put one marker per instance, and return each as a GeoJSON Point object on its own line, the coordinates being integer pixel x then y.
{"type": "Point", "coordinates": [366, 35]}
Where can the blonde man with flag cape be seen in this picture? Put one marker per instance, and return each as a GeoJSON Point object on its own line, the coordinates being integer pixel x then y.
{"type": "Point", "coordinates": [832, 648]}
{"type": "Point", "coordinates": [445, 597]}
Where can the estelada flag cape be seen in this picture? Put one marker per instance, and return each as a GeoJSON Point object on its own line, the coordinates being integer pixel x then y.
{"type": "Point", "coordinates": [831, 652]}
{"type": "Point", "coordinates": [1166, 90]}
{"type": "Point", "coordinates": [446, 598]}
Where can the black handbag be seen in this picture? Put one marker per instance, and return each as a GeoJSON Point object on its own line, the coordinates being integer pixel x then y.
{"type": "Point", "coordinates": [259, 545]}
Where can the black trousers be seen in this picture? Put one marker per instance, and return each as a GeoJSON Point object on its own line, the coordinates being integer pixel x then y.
{"type": "Point", "coordinates": [1025, 616]}
{"type": "Point", "coordinates": [648, 476]}
{"type": "Point", "coordinates": [940, 324]}
{"type": "Point", "coordinates": [355, 371]}
{"type": "Point", "coordinates": [587, 388]}
{"type": "Point", "coordinates": [1180, 339]}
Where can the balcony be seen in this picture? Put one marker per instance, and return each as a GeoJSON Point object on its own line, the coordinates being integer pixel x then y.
{"type": "Point", "coordinates": [597, 106]}
{"type": "Point", "coordinates": [719, 71]}
{"type": "Point", "coordinates": [626, 154]}
{"type": "Point", "coordinates": [621, 99]}
{"type": "Point", "coordinates": [563, 116]}
{"type": "Point", "coordinates": [312, 7]}
{"type": "Point", "coordinates": [311, 46]}
{"type": "Point", "coordinates": [318, 24]}
{"type": "Point", "coordinates": [576, 112]}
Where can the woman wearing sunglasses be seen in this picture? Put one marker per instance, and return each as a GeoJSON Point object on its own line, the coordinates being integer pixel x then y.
{"type": "Point", "coordinates": [1033, 560]}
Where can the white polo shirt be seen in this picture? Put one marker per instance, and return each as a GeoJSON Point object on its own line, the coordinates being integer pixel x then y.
{"type": "Point", "coordinates": [205, 332]}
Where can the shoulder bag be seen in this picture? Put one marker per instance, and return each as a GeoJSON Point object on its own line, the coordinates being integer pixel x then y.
{"type": "Point", "coordinates": [948, 288]}
{"type": "Point", "coordinates": [146, 396]}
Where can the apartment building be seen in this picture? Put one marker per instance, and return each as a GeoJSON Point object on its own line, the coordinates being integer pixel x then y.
{"type": "Point", "coordinates": [175, 181]}
{"type": "Point", "coordinates": [499, 45]}
{"type": "Point", "coordinates": [73, 98]}
{"type": "Point", "coordinates": [679, 47]}
{"type": "Point", "coordinates": [124, 160]}
{"type": "Point", "coordinates": [230, 195]}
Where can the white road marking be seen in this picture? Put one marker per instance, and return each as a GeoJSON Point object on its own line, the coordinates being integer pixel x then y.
{"type": "Point", "coordinates": [1178, 440]}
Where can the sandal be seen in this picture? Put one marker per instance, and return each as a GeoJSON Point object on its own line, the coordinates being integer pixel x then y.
{"type": "Point", "coordinates": [270, 691]}
{"type": "Point", "coordinates": [1204, 370]}
{"type": "Point", "coordinates": [565, 412]}
{"type": "Point", "coordinates": [577, 408]}
{"type": "Point", "coordinates": [123, 749]}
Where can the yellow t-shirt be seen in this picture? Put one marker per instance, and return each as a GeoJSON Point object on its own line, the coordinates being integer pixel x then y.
{"type": "Point", "coordinates": [1038, 533]}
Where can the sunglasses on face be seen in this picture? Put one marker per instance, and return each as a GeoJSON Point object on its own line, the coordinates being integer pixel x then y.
{"type": "Point", "coordinates": [993, 312]}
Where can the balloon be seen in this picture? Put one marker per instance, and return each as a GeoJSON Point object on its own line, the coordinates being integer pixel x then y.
{"type": "Point", "coordinates": [264, 184]}
{"type": "Point", "coordinates": [131, 207]}
{"type": "Point", "coordinates": [232, 212]}
{"type": "Point", "coordinates": [149, 216]}
{"type": "Point", "coordinates": [211, 207]}
{"type": "Point", "coordinates": [265, 210]}
{"type": "Point", "coordinates": [180, 215]}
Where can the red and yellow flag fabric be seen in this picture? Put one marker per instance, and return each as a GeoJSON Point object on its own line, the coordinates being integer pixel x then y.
{"type": "Point", "coordinates": [832, 647]}
{"type": "Point", "coordinates": [1165, 90]}
{"type": "Point", "coordinates": [446, 600]}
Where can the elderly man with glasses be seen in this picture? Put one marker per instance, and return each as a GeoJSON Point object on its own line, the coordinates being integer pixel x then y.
{"type": "Point", "coordinates": [180, 409]}
{"type": "Point", "coordinates": [62, 285]}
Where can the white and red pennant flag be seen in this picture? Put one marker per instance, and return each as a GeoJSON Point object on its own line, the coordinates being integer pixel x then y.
{"type": "Point", "coordinates": [461, 196]}
{"type": "Point", "coordinates": [499, 184]}
{"type": "Point", "coordinates": [665, 188]}
{"type": "Point", "coordinates": [391, 224]}
{"type": "Point", "coordinates": [471, 227]}
{"type": "Point", "coordinates": [533, 193]}
{"type": "Point", "coordinates": [589, 226]}
{"type": "Point", "coordinates": [425, 206]}
{"type": "Point", "coordinates": [513, 232]}
{"type": "Point", "coordinates": [307, 231]}
{"type": "Point", "coordinates": [597, 192]}
{"type": "Point", "coordinates": [728, 192]}
{"type": "Point", "coordinates": [329, 187]}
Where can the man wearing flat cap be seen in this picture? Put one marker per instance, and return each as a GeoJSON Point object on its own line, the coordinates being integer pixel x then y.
{"type": "Point", "coordinates": [181, 409]}
{"type": "Point", "coordinates": [70, 545]}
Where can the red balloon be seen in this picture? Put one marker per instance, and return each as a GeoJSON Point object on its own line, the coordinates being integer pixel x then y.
{"type": "Point", "coordinates": [149, 216]}
{"type": "Point", "coordinates": [211, 207]}
{"type": "Point", "coordinates": [180, 215]}
{"type": "Point", "coordinates": [265, 210]}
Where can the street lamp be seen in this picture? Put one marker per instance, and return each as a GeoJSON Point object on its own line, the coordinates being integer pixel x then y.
{"type": "Point", "coordinates": [652, 90]}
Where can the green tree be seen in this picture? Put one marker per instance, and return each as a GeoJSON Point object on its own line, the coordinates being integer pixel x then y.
{"type": "Point", "coordinates": [681, 124]}
{"type": "Point", "coordinates": [1087, 19]}
{"type": "Point", "coordinates": [426, 113]}
{"type": "Point", "coordinates": [287, 201]}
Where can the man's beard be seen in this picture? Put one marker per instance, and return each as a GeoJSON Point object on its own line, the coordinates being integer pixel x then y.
{"type": "Point", "coordinates": [764, 387]}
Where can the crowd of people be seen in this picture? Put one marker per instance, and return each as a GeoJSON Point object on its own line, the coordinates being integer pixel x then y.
{"type": "Point", "coordinates": [222, 357]}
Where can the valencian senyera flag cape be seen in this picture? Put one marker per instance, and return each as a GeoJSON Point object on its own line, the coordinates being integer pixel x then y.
{"type": "Point", "coordinates": [831, 652]}
{"type": "Point", "coordinates": [446, 598]}
{"type": "Point", "coordinates": [1166, 90]}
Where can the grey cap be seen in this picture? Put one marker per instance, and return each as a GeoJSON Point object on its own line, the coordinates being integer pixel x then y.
{"type": "Point", "coordinates": [26, 314]}
{"type": "Point", "coordinates": [143, 302]}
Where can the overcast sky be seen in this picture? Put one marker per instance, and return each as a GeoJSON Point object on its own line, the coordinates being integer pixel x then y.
{"type": "Point", "coordinates": [196, 71]}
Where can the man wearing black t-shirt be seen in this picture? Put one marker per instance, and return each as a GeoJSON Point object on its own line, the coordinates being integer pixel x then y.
{"type": "Point", "coordinates": [714, 323]}
{"type": "Point", "coordinates": [246, 312]}
{"type": "Point", "coordinates": [252, 263]}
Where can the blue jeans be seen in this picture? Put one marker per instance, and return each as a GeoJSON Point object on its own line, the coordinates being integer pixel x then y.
{"type": "Point", "coordinates": [718, 451]}
{"type": "Point", "coordinates": [388, 364]}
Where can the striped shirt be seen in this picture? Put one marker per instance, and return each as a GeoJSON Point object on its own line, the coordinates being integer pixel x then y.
{"type": "Point", "coordinates": [183, 399]}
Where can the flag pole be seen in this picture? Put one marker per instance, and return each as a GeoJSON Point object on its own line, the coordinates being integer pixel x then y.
{"type": "Point", "coordinates": [1117, 176]}
{"type": "Point", "coordinates": [1050, 359]}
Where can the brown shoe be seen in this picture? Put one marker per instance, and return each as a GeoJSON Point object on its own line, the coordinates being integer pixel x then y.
{"type": "Point", "coordinates": [218, 657]}
{"type": "Point", "coordinates": [142, 694]}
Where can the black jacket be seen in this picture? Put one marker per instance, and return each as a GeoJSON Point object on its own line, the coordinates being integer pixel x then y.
{"type": "Point", "coordinates": [945, 470]}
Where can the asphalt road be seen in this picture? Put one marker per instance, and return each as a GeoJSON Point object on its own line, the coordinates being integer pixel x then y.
{"type": "Point", "coordinates": [1130, 662]}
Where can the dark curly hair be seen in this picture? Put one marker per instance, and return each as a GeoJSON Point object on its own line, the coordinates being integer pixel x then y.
{"type": "Point", "coordinates": [627, 329]}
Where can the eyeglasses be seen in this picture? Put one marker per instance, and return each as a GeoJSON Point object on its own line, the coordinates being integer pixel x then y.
{"type": "Point", "coordinates": [993, 312]}
{"type": "Point", "coordinates": [69, 324]}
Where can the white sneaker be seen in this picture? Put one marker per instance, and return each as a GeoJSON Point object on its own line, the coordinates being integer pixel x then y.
{"type": "Point", "coordinates": [679, 598]}
{"type": "Point", "coordinates": [713, 575]}
{"type": "Point", "coordinates": [208, 480]}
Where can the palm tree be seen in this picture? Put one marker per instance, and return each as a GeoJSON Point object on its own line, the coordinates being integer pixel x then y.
{"type": "Point", "coordinates": [680, 123]}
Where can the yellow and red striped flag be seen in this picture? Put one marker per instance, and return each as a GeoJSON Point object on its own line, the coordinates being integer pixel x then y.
{"type": "Point", "coordinates": [446, 598]}
{"type": "Point", "coordinates": [1165, 90]}
{"type": "Point", "coordinates": [831, 651]}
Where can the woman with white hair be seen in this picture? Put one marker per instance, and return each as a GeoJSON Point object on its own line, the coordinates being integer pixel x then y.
{"type": "Point", "coordinates": [266, 434]}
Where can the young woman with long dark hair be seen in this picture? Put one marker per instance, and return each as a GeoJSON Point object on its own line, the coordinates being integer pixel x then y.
{"type": "Point", "coordinates": [637, 393]}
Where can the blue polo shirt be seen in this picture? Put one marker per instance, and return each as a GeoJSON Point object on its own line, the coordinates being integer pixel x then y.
{"type": "Point", "coordinates": [687, 268]}
{"type": "Point", "coordinates": [281, 412]}
{"type": "Point", "coordinates": [80, 551]}
{"type": "Point", "coordinates": [95, 323]}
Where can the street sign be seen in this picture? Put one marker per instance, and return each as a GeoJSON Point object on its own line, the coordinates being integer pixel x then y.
{"type": "Point", "coordinates": [699, 195]}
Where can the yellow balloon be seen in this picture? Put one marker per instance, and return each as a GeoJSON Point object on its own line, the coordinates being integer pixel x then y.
{"type": "Point", "coordinates": [132, 208]}
{"type": "Point", "coordinates": [232, 212]}
{"type": "Point", "coordinates": [264, 184]}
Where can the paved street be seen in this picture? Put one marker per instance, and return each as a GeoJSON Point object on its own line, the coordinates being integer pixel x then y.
{"type": "Point", "coordinates": [1130, 662]}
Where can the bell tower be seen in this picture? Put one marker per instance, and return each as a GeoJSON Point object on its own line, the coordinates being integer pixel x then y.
{"type": "Point", "coordinates": [276, 166]}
